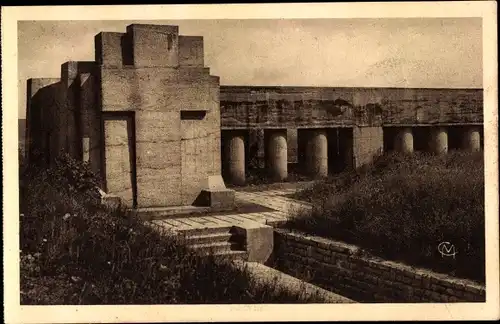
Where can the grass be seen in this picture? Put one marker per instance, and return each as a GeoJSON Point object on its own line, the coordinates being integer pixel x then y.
{"type": "Point", "coordinates": [403, 206]}
{"type": "Point", "coordinates": [76, 251]}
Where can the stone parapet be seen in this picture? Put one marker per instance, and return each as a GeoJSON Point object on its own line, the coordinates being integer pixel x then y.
{"type": "Point", "coordinates": [343, 269]}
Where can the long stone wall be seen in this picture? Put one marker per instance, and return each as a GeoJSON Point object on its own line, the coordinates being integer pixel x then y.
{"type": "Point", "coordinates": [340, 268]}
{"type": "Point", "coordinates": [304, 107]}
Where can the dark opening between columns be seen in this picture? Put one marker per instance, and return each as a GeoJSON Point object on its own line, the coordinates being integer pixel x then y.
{"type": "Point", "coordinates": [338, 141]}
{"type": "Point", "coordinates": [455, 137]}
{"type": "Point", "coordinates": [390, 134]}
{"type": "Point", "coordinates": [421, 138]}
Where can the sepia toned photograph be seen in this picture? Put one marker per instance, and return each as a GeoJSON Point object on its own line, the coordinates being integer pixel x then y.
{"type": "Point", "coordinates": [253, 161]}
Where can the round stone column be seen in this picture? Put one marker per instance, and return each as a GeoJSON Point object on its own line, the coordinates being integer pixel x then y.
{"type": "Point", "coordinates": [317, 154]}
{"type": "Point", "coordinates": [404, 140]}
{"type": "Point", "coordinates": [277, 154]}
{"type": "Point", "coordinates": [472, 139]}
{"type": "Point", "coordinates": [234, 155]}
{"type": "Point", "coordinates": [439, 140]}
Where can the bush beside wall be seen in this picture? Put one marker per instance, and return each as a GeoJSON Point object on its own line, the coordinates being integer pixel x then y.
{"type": "Point", "coordinates": [403, 207]}
{"type": "Point", "coordinates": [343, 269]}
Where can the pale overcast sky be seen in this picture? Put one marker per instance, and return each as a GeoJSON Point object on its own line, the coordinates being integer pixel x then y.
{"type": "Point", "coordinates": [417, 52]}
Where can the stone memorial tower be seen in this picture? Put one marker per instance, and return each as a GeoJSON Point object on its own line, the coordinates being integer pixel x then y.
{"type": "Point", "coordinates": [145, 115]}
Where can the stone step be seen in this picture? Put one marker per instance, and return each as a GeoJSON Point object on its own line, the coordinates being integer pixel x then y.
{"type": "Point", "coordinates": [197, 231]}
{"type": "Point", "coordinates": [152, 213]}
{"type": "Point", "coordinates": [218, 247]}
{"type": "Point", "coordinates": [208, 238]}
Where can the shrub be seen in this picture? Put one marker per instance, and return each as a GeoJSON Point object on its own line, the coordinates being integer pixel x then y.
{"type": "Point", "coordinates": [403, 207]}
{"type": "Point", "coordinates": [74, 251]}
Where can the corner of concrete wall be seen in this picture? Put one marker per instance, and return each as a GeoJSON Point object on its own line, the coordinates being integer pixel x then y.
{"type": "Point", "coordinates": [191, 51]}
{"type": "Point", "coordinates": [111, 48]}
{"type": "Point", "coordinates": [90, 120]}
{"type": "Point", "coordinates": [154, 45]}
{"type": "Point", "coordinates": [216, 145]}
{"type": "Point", "coordinates": [70, 114]}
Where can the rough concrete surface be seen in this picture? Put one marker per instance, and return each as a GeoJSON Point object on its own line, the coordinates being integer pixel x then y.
{"type": "Point", "coordinates": [117, 155]}
{"type": "Point", "coordinates": [368, 142]}
{"type": "Point", "coordinates": [298, 107]}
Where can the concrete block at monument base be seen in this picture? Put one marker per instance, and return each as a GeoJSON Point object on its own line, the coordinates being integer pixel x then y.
{"type": "Point", "coordinates": [258, 240]}
{"type": "Point", "coordinates": [217, 199]}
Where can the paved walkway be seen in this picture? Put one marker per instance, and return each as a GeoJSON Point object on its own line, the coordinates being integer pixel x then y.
{"type": "Point", "coordinates": [274, 199]}
{"type": "Point", "coordinates": [283, 207]}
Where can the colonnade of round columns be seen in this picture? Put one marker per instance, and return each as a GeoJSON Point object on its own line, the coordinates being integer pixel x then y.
{"type": "Point", "coordinates": [315, 160]}
{"type": "Point", "coordinates": [438, 140]}
{"type": "Point", "coordinates": [276, 155]}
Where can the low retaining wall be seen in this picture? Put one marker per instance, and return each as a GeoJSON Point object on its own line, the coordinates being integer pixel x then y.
{"type": "Point", "coordinates": [341, 268]}
{"type": "Point", "coordinates": [263, 275]}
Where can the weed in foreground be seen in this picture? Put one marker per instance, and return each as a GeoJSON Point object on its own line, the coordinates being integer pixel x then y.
{"type": "Point", "coordinates": [75, 251]}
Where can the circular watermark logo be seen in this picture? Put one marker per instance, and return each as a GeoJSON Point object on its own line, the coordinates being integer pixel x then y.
{"type": "Point", "coordinates": [447, 249]}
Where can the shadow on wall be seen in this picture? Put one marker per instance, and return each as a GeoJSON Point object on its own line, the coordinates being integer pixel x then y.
{"type": "Point", "coordinates": [43, 110]}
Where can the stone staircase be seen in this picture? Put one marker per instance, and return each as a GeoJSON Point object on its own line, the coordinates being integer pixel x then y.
{"type": "Point", "coordinates": [218, 241]}
{"type": "Point", "coordinates": [238, 236]}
